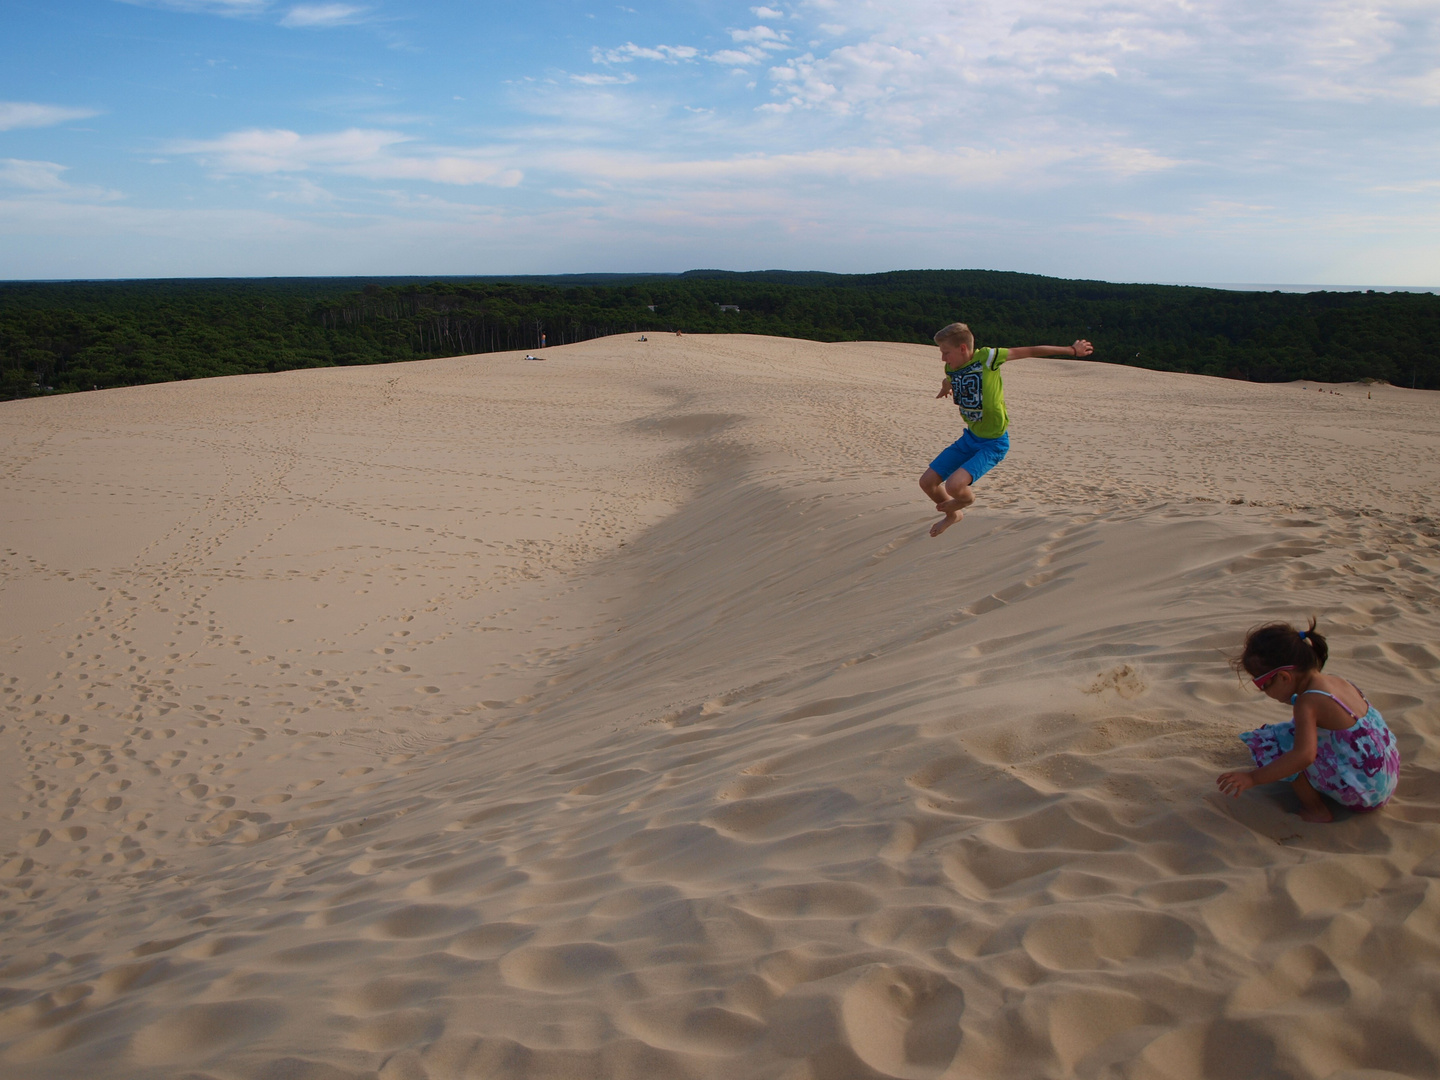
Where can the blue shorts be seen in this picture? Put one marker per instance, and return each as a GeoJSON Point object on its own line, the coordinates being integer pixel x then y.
{"type": "Point", "coordinates": [975, 455]}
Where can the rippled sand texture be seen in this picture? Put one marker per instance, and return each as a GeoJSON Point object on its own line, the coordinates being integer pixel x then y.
{"type": "Point", "coordinates": [614, 716]}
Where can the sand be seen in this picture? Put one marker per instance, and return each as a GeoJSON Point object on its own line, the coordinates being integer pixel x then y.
{"type": "Point", "coordinates": [613, 715]}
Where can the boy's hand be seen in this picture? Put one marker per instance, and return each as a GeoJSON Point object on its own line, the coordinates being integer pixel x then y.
{"type": "Point", "coordinates": [1083, 348]}
{"type": "Point", "coordinates": [944, 389]}
{"type": "Point", "coordinates": [1233, 783]}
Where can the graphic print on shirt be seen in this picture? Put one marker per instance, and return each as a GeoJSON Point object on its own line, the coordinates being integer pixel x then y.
{"type": "Point", "coordinates": [968, 394]}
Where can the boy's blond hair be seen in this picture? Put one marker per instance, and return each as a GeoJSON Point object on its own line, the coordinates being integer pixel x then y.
{"type": "Point", "coordinates": [956, 332]}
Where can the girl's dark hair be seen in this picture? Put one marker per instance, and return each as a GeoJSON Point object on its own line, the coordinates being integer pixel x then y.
{"type": "Point", "coordinates": [1278, 644]}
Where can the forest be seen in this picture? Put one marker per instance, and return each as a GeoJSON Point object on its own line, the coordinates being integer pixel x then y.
{"type": "Point", "coordinates": [60, 337]}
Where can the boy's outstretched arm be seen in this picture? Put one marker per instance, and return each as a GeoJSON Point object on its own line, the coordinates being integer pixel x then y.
{"type": "Point", "coordinates": [1080, 348]}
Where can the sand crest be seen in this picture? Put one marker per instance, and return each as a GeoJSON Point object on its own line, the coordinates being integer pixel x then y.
{"type": "Point", "coordinates": [613, 715]}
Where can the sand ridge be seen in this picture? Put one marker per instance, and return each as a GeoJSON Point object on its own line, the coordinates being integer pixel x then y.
{"type": "Point", "coordinates": [613, 715]}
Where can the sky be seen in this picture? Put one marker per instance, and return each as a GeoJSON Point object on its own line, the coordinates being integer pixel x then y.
{"type": "Point", "coordinates": [1128, 140]}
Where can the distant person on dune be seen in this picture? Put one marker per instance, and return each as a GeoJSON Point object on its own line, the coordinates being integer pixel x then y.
{"type": "Point", "coordinates": [1335, 743]}
{"type": "Point", "coordinates": [972, 378]}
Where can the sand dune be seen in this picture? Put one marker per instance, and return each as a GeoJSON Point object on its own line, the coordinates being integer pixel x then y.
{"type": "Point", "coordinates": [614, 716]}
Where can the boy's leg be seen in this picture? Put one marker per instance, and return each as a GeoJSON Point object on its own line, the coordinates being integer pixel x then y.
{"type": "Point", "coordinates": [932, 480]}
{"type": "Point", "coordinates": [958, 490]}
{"type": "Point", "coordinates": [933, 484]}
{"type": "Point", "coordinates": [957, 494]}
{"type": "Point", "coordinates": [979, 457]}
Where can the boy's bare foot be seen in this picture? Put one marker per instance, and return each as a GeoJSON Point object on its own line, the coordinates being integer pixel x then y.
{"type": "Point", "coordinates": [944, 523]}
{"type": "Point", "coordinates": [953, 505]}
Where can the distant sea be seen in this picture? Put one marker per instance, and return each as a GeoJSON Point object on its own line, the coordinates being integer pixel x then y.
{"type": "Point", "coordinates": [1247, 286]}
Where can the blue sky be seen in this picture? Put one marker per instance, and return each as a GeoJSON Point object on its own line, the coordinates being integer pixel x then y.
{"type": "Point", "coordinates": [1131, 140]}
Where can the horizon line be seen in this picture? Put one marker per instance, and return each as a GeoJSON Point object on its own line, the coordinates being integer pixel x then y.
{"type": "Point", "coordinates": [1228, 286]}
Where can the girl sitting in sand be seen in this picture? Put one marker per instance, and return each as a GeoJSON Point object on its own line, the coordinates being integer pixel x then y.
{"type": "Point", "coordinates": [1336, 742]}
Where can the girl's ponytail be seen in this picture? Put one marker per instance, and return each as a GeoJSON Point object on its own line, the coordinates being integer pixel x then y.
{"type": "Point", "coordinates": [1316, 643]}
{"type": "Point", "coordinates": [1281, 645]}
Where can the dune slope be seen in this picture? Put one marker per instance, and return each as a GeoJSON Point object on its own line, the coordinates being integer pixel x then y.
{"type": "Point", "coordinates": [614, 716]}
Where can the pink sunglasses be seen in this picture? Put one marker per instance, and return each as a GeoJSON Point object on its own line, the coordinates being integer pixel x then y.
{"type": "Point", "coordinates": [1262, 681]}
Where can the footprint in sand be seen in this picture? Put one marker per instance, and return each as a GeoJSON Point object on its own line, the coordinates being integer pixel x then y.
{"type": "Point", "coordinates": [196, 1033]}
{"type": "Point", "coordinates": [1124, 680]}
{"type": "Point", "coordinates": [560, 968]}
{"type": "Point", "coordinates": [1090, 939]}
{"type": "Point", "coordinates": [904, 1021]}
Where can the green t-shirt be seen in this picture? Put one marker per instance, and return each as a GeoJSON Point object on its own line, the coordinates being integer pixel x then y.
{"type": "Point", "coordinates": [980, 394]}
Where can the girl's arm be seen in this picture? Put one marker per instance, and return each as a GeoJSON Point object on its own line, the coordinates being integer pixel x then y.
{"type": "Point", "coordinates": [1080, 348]}
{"type": "Point", "coordinates": [1297, 759]}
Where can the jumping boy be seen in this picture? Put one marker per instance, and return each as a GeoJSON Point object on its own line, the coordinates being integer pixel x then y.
{"type": "Point", "coordinates": [972, 377]}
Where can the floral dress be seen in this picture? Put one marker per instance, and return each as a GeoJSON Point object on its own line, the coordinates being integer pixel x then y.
{"type": "Point", "coordinates": [1357, 767]}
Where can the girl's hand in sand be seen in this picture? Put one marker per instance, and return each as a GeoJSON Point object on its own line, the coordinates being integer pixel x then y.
{"type": "Point", "coordinates": [1083, 348]}
{"type": "Point", "coordinates": [1233, 783]}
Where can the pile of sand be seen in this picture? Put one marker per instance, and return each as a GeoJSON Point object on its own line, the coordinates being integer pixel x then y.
{"type": "Point", "coordinates": [613, 715]}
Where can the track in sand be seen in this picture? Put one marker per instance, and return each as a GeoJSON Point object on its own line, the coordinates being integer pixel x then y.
{"type": "Point", "coordinates": [616, 717]}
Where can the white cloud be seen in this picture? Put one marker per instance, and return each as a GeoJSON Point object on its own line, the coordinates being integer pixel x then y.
{"type": "Point", "coordinates": [736, 58]}
{"type": "Point", "coordinates": [858, 76]}
{"type": "Point", "coordinates": [262, 151]}
{"type": "Point", "coordinates": [323, 15]}
{"type": "Point", "coordinates": [355, 152]}
{"type": "Point", "coordinates": [1298, 49]}
{"type": "Point", "coordinates": [32, 175]}
{"type": "Point", "coordinates": [1212, 216]}
{"type": "Point", "coordinates": [1422, 89]}
{"type": "Point", "coordinates": [206, 7]}
{"type": "Point", "coordinates": [25, 114]}
{"type": "Point", "coordinates": [762, 36]}
{"type": "Point", "coordinates": [438, 169]}
{"type": "Point", "coordinates": [43, 180]}
{"type": "Point", "coordinates": [604, 80]}
{"type": "Point", "coordinates": [747, 220]}
{"type": "Point", "coordinates": [1003, 131]}
{"type": "Point", "coordinates": [301, 191]}
{"type": "Point", "coordinates": [669, 54]}
{"type": "Point", "coordinates": [756, 44]}
{"type": "Point", "coordinates": [1132, 160]}
{"type": "Point", "coordinates": [951, 167]}
{"type": "Point", "coordinates": [1415, 187]}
